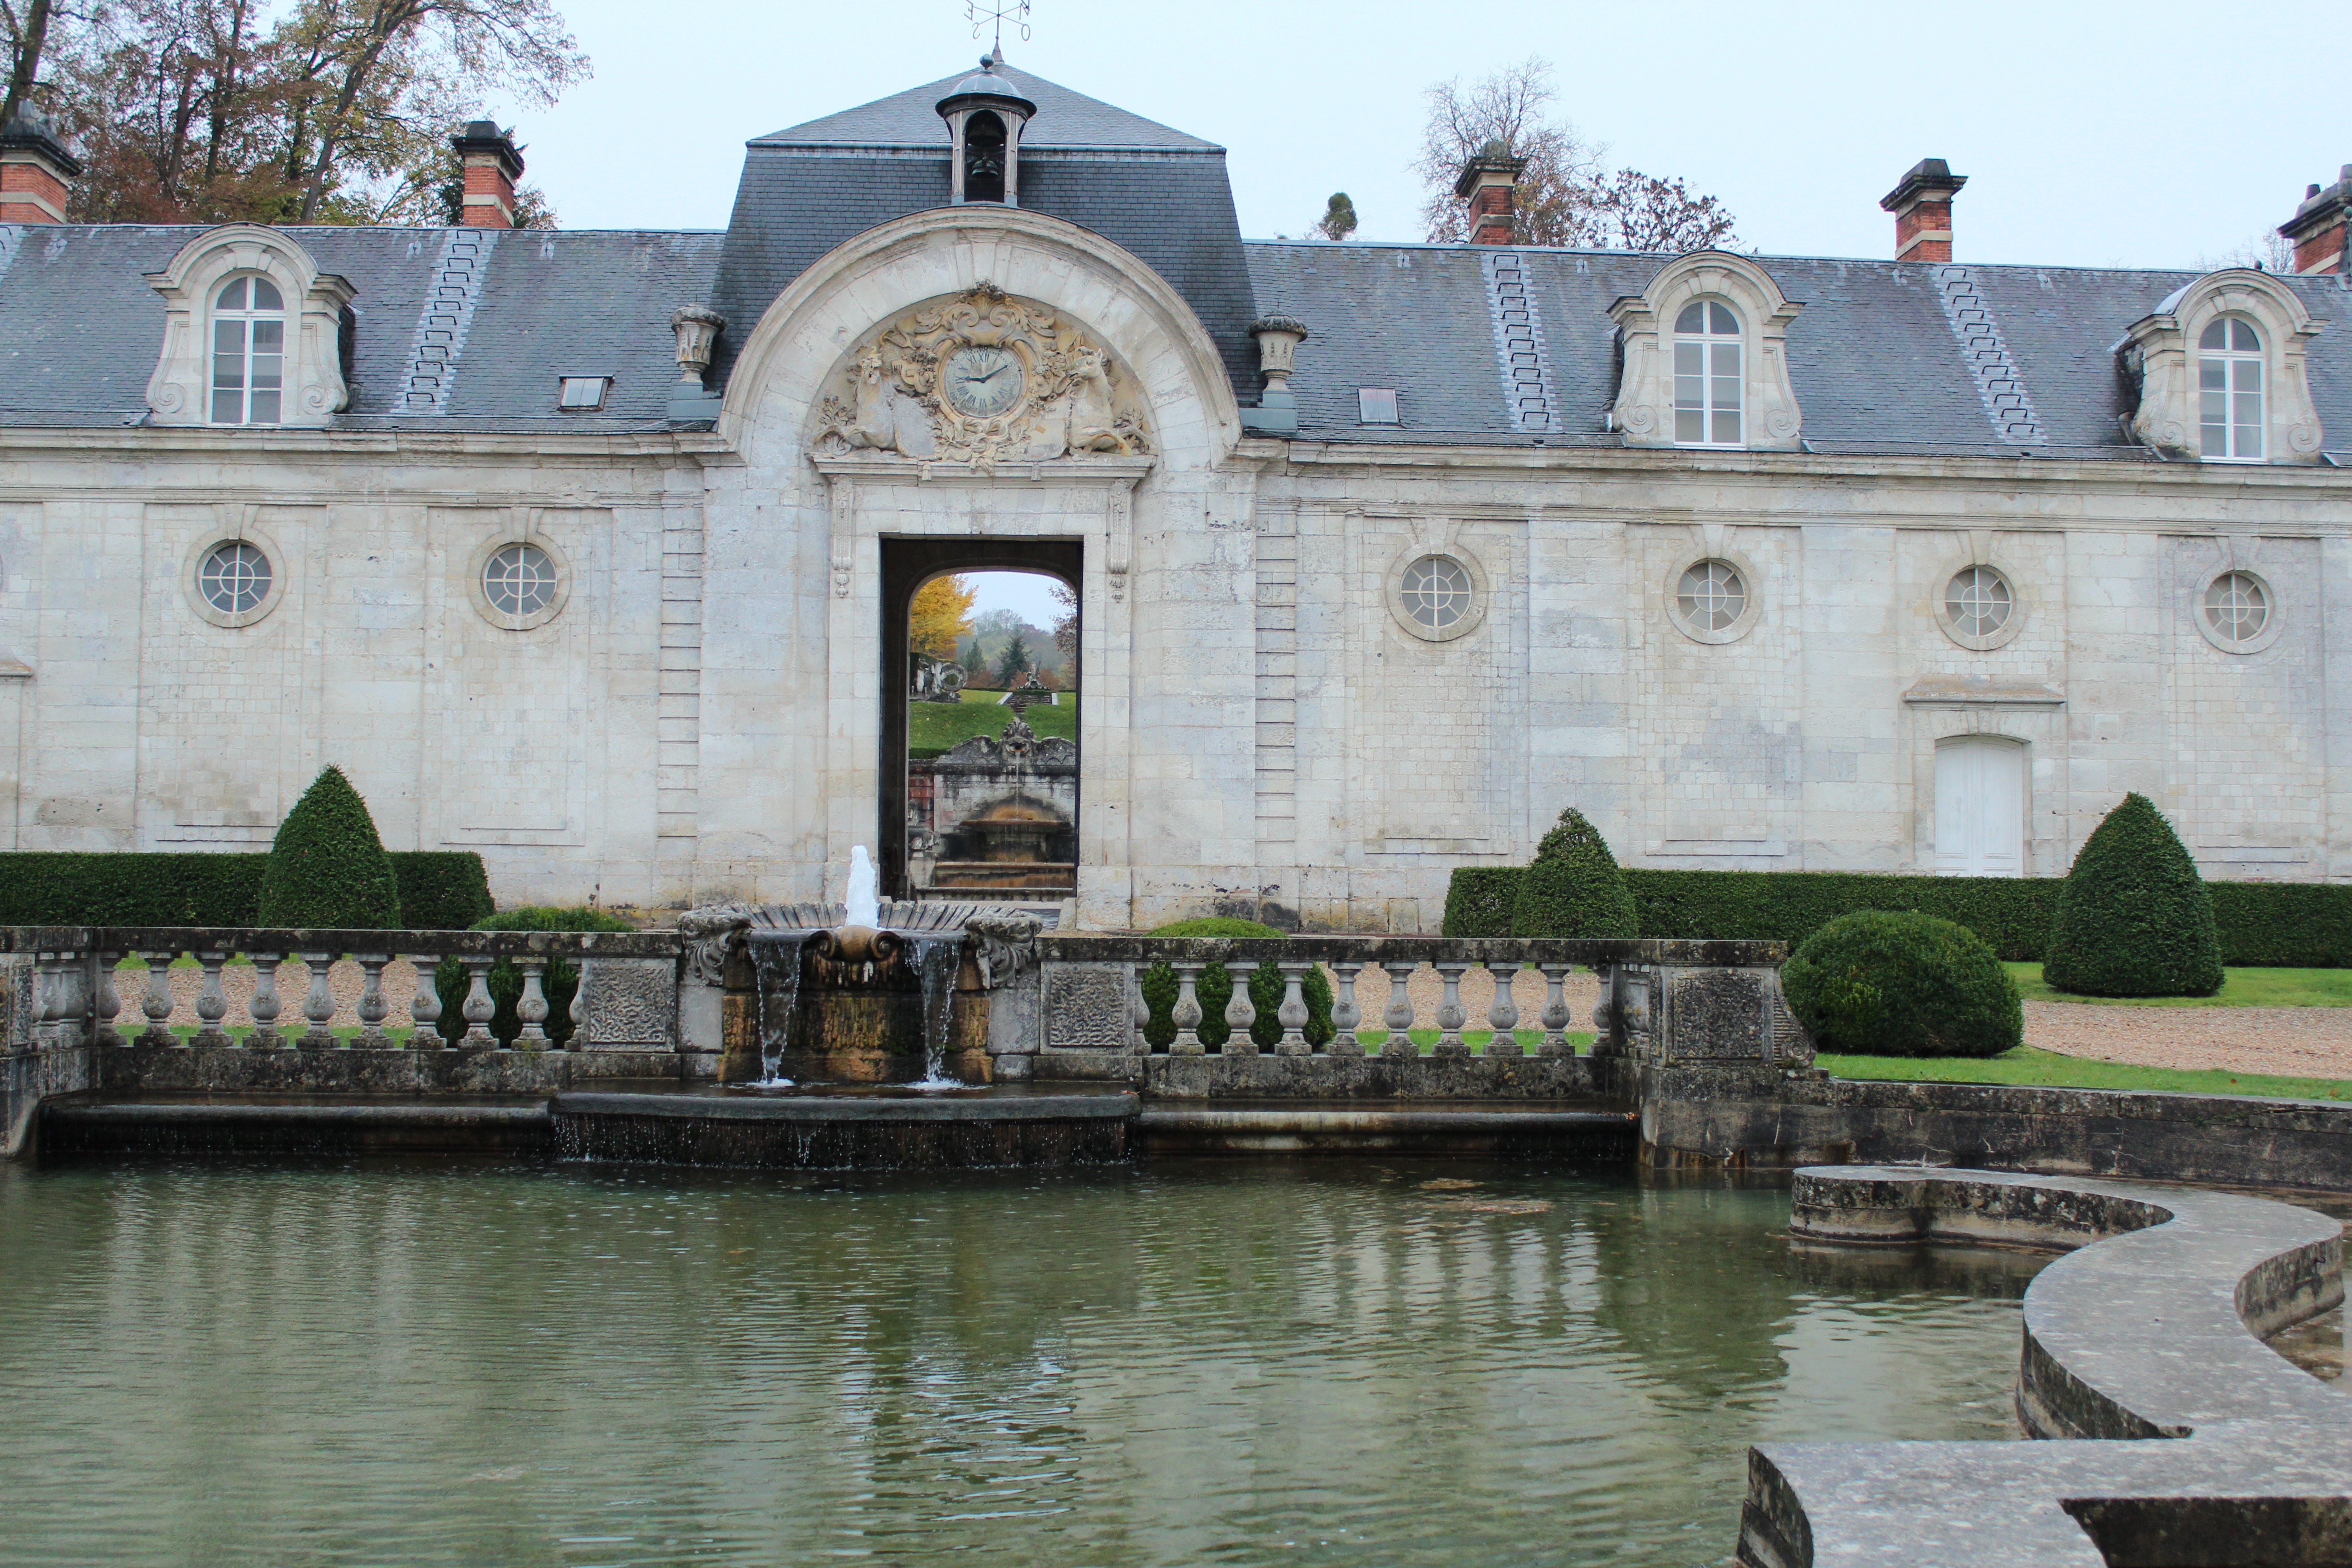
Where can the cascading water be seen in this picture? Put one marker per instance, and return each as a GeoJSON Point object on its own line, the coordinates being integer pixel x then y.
{"type": "Point", "coordinates": [776, 962]}
{"type": "Point", "coordinates": [937, 959]}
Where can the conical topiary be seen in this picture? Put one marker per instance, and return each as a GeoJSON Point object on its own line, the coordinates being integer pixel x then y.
{"type": "Point", "coordinates": [1573, 888]}
{"type": "Point", "coordinates": [2133, 918]}
{"type": "Point", "coordinates": [327, 867]}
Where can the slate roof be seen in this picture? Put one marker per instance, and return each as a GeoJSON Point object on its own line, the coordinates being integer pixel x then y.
{"type": "Point", "coordinates": [80, 330]}
{"type": "Point", "coordinates": [911, 119]}
{"type": "Point", "coordinates": [1873, 357]}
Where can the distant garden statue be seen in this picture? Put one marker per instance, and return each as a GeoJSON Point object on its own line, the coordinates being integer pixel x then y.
{"type": "Point", "coordinates": [328, 869]}
{"type": "Point", "coordinates": [1574, 887]}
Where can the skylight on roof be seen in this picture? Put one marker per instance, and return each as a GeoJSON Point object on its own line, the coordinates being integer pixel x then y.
{"type": "Point", "coordinates": [1376, 405]}
{"type": "Point", "coordinates": [583, 393]}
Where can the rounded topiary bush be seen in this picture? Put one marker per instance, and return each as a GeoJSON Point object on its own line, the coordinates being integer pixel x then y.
{"type": "Point", "coordinates": [1214, 989]}
{"type": "Point", "coordinates": [1573, 887]}
{"type": "Point", "coordinates": [2133, 918]}
{"type": "Point", "coordinates": [1889, 985]}
{"type": "Point", "coordinates": [327, 867]}
{"type": "Point", "coordinates": [559, 984]}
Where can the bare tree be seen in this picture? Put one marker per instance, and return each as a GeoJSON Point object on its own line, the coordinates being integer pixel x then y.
{"type": "Point", "coordinates": [1566, 196]}
{"type": "Point", "coordinates": [25, 29]}
{"type": "Point", "coordinates": [2268, 251]}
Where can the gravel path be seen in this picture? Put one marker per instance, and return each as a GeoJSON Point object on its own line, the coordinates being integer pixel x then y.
{"type": "Point", "coordinates": [2287, 1042]}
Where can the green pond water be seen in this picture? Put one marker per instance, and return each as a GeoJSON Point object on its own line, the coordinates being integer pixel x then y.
{"type": "Point", "coordinates": [1396, 1364]}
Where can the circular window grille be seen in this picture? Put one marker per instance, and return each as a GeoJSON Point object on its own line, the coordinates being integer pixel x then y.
{"type": "Point", "coordinates": [519, 580]}
{"type": "Point", "coordinates": [1436, 593]}
{"type": "Point", "coordinates": [2237, 607]}
{"type": "Point", "coordinates": [1979, 602]}
{"type": "Point", "coordinates": [1712, 596]}
{"type": "Point", "coordinates": [233, 578]}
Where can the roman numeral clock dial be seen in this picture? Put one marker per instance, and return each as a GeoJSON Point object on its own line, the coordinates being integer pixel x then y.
{"type": "Point", "coordinates": [982, 383]}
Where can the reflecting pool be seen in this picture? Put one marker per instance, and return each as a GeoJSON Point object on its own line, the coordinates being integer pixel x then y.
{"type": "Point", "coordinates": [1339, 1361]}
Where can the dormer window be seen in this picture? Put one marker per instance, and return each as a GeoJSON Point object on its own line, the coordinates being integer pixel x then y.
{"type": "Point", "coordinates": [248, 366]}
{"type": "Point", "coordinates": [1706, 375]}
{"type": "Point", "coordinates": [2230, 391]}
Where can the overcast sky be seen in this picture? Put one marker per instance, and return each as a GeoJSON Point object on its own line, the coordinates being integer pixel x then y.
{"type": "Point", "coordinates": [2093, 134]}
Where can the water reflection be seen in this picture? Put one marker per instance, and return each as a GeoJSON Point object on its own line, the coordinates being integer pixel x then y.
{"type": "Point", "coordinates": [1223, 1362]}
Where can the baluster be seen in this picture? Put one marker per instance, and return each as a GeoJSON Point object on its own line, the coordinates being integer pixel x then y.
{"type": "Point", "coordinates": [478, 1009]}
{"type": "Point", "coordinates": [373, 1007]}
{"type": "Point", "coordinates": [1241, 1012]}
{"type": "Point", "coordinates": [578, 1010]}
{"type": "Point", "coordinates": [1450, 1015]}
{"type": "Point", "coordinates": [1293, 1010]}
{"type": "Point", "coordinates": [108, 1001]}
{"type": "Point", "coordinates": [157, 1002]}
{"type": "Point", "coordinates": [1188, 1010]}
{"type": "Point", "coordinates": [1140, 1012]}
{"type": "Point", "coordinates": [531, 1007]}
{"type": "Point", "coordinates": [1345, 1014]}
{"type": "Point", "coordinates": [212, 1003]}
{"type": "Point", "coordinates": [1398, 1014]}
{"type": "Point", "coordinates": [1504, 1016]}
{"type": "Point", "coordinates": [424, 1008]}
{"type": "Point", "coordinates": [319, 1002]}
{"type": "Point", "coordinates": [49, 980]}
{"type": "Point", "coordinates": [265, 1006]}
{"type": "Point", "coordinates": [1555, 1012]}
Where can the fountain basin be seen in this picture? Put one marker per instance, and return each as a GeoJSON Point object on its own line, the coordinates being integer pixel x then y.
{"type": "Point", "coordinates": [877, 1127]}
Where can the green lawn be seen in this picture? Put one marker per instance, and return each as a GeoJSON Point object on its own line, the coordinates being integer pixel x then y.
{"type": "Point", "coordinates": [2240, 988]}
{"type": "Point", "coordinates": [935, 728]}
{"type": "Point", "coordinates": [2026, 1065]}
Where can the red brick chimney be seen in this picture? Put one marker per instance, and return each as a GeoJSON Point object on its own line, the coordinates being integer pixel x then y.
{"type": "Point", "coordinates": [1922, 205]}
{"type": "Point", "coordinates": [492, 166]}
{"type": "Point", "coordinates": [34, 168]}
{"type": "Point", "coordinates": [2317, 227]}
{"type": "Point", "coordinates": [1486, 182]}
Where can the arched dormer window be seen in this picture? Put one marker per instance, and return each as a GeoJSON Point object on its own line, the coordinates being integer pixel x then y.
{"type": "Point", "coordinates": [1707, 378]}
{"type": "Point", "coordinates": [2230, 391]}
{"type": "Point", "coordinates": [252, 333]}
{"type": "Point", "coordinates": [1705, 359]}
{"type": "Point", "coordinates": [2219, 366]}
{"type": "Point", "coordinates": [248, 371]}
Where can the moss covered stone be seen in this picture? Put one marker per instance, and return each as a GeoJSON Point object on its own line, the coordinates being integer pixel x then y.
{"type": "Point", "coordinates": [1573, 888]}
{"type": "Point", "coordinates": [327, 867]}
{"type": "Point", "coordinates": [1903, 984]}
{"type": "Point", "coordinates": [2133, 919]}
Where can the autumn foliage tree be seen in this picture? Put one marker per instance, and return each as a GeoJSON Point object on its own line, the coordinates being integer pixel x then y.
{"type": "Point", "coordinates": [318, 111]}
{"type": "Point", "coordinates": [1566, 194]}
{"type": "Point", "coordinates": [940, 615]}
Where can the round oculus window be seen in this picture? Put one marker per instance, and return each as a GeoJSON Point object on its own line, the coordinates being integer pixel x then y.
{"type": "Point", "coordinates": [233, 578]}
{"type": "Point", "coordinates": [1711, 596]}
{"type": "Point", "coordinates": [1436, 593]}
{"type": "Point", "coordinates": [519, 580]}
{"type": "Point", "coordinates": [2237, 607]}
{"type": "Point", "coordinates": [1979, 602]}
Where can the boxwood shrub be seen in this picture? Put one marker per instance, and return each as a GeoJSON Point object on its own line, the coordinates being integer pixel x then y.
{"type": "Point", "coordinates": [2134, 920]}
{"type": "Point", "coordinates": [439, 890]}
{"type": "Point", "coordinates": [1214, 989]}
{"type": "Point", "coordinates": [2295, 925]}
{"type": "Point", "coordinates": [1880, 983]}
{"type": "Point", "coordinates": [327, 867]}
{"type": "Point", "coordinates": [1573, 888]}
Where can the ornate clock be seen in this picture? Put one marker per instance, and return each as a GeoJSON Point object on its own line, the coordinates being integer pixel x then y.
{"type": "Point", "coordinates": [982, 383]}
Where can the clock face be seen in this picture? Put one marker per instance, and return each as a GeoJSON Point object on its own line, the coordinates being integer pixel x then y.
{"type": "Point", "coordinates": [982, 383]}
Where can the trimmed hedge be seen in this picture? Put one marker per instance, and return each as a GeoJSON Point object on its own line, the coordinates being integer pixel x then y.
{"type": "Point", "coordinates": [1878, 984]}
{"type": "Point", "coordinates": [327, 865]}
{"type": "Point", "coordinates": [2135, 920]}
{"type": "Point", "coordinates": [559, 984]}
{"type": "Point", "coordinates": [2292, 925]}
{"type": "Point", "coordinates": [439, 890]}
{"type": "Point", "coordinates": [1574, 887]}
{"type": "Point", "coordinates": [1214, 989]}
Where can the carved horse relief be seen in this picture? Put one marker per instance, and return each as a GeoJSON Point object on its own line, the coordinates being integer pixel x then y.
{"type": "Point", "coordinates": [986, 378]}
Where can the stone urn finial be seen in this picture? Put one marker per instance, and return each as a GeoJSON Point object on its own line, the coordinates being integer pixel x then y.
{"type": "Point", "coordinates": [1278, 338]}
{"type": "Point", "coordinates": [697, 327]}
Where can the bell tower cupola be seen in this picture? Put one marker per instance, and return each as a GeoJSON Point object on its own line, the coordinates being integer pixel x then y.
{"type": "Point", "coordinates": [985, 116]}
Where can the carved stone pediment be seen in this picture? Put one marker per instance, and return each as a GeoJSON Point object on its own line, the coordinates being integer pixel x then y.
{"type": "Point", "coordinates": [982, 378]}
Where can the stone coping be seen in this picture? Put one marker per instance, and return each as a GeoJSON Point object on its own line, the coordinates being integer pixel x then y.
{"type": "Point", "coordinates": [129, 940]}
{"type": "Point", "coordinates": [1075, 947]}
{"type": "Point", "coordinates": [2181, 1438]}
{"type": "Point", "coordinates": [787, 1108]}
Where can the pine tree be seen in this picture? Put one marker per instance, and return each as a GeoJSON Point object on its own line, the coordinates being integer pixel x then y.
{"type": "Point", "coordinates": [1573, 888]}
{"type": "Point", "coordinates": [327, 867]}
{"type": "Point", "coordinates": [2133, 918]}
{"type": "Point", "coordinates": [1013, 662]}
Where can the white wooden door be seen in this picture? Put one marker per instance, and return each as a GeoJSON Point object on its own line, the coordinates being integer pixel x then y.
{"type": "Point", "coordinates": [1980, 807]}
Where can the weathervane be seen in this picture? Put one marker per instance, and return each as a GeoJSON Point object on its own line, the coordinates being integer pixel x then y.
{"type": "Point", "coordinates": [981, 12]}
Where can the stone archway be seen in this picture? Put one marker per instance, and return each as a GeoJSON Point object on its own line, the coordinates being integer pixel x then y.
{"type": "Point", "coordinates": [906, 564]}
